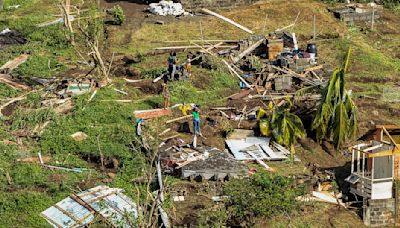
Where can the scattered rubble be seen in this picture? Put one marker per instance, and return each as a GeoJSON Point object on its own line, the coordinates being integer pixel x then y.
{"type": "Point", "coordinates": [358, 12]}
{"type": "Point", "coordinates": [200, 163]}
{"type": "Point", "coordinates": [11, 37]}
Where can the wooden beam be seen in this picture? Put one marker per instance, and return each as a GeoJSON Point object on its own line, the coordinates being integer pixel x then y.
{"type": "Point", "coordinates": [208, 41]}
{"type": "Point", "coordinates": [237, 75]}
{"type": "Point", "coordinates": [390, 127]}
{"type": "Point", "coordinates": [260, 161]}
{"type": "Point", "coordinates": [193, 47]}
{"type": "Point", "coordinates": [383, 153]}
{"type": "Point", "coordinates": [6, 79]}
{"type": "Point", "coordinates": [177, 119]}
{"type": "Point", "coordinates": [248, 50]}
{"type": "Point", "coordinates": [152, 113]}
{"type": "Point", "coordinates": [314, 68]}
{"type": "Point", "coordinates": [391, 139]}
{"type": "Point", "coordinates": [227, 20]}
{"type": "Point", "coordinates": [12, 64]}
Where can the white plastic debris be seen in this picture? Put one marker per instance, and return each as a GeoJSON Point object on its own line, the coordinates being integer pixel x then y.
{"type": "Point", "coordinates": [164, 8]}
{"type": "Point", "coordinates": [5, 31]}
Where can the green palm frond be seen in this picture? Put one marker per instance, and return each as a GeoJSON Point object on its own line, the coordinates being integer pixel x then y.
{"type": "Point", "coordinates": [336, 116]}
{"type": "Point", "coordinates": [340, 125]}
{"type": "Point", "coordinates": [347, 60]}
{"type": "Point", "coordinates": [352, 112]}
{"type": "Point", "coordinates": [309, 89]}
{"type": "Point", "coordinates": [286, 127]}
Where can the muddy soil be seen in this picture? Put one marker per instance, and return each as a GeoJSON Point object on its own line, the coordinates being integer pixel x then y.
{"type": "Point", "coordinates": [10, 109]}
{"type": "Point", "coordinates": [148, 87]}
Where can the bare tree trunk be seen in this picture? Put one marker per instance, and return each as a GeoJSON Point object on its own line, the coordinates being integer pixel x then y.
{"type": "Point", "coordinates": [1, 4]}
{"type": "Point", "coordinates": [95, 48]}
{"type": "Point", "coordinates": [65, 11]}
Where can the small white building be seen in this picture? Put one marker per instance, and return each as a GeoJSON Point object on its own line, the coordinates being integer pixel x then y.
{"type": "Point", "coordinates": [372, 170]}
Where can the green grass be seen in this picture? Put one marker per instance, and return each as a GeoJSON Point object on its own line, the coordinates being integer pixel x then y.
{"type": "Point", "coordinates": [45, 45]}
{"type": "Point", "coordinates": [6, 91]}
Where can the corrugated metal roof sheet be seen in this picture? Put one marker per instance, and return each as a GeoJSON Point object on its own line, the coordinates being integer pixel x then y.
{"type": "Point", "coordinates": [80, 209]}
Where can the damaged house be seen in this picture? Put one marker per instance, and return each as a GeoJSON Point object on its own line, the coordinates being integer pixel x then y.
{"type": "Point", "coordinates": [374, 171]}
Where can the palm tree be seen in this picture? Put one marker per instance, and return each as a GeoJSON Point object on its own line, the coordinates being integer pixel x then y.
{"type": "Point", "coordinates": [283, 126]}
{"type": "Point", "coordinates": [336, 116]}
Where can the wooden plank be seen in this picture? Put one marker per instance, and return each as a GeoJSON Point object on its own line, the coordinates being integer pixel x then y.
{"type": "Point", "coordinates": [194, 47]}
{"type": "Point", "coordinates": [153, 113]}
{"type": "Point", "coordinates": [260, 161]}
{"type": "Point", "coordinates": [177, 119]}
{"type": "Point", "coordinates": [98, 198]}
{"type": "Point", "coordinates": [391, 139]}
{"type": "Point", "coordinates": [390, 127]}
{"type": "Point", "coordinates": [6, 79]}
{"type": "Point", "coordinates": [208, 41]}
{"type": "Point", "coordinates": [12, 64]}
{"type": "Point", "coordinates": [237, 96]}
{"type": "Point", "coordinates": [227, 20]}
{"type": "Point", "coordinates": [52, 221]}
{"type": "Point", "coordinates": [383, 153]}
{"type": "Point", "coordinates": [314, 68]}
{"type": "Point", "coordinates": [248, 50]}
{"type": "Point", "coordinates": [237, 75]}
{"type": "Point", "coordinates": [67, 213]}
{"type": "Point", "coordinates": [223, 108]}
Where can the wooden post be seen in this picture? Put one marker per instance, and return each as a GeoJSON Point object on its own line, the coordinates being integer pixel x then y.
{"type": "Point", "coordinates": [201, 33]}
{"type": "Point", "coordinates": [373, 18]}
{"type": "Point", "coordinates": [315, 34]}
{"type": "Point", "coordinates": [265, 23]}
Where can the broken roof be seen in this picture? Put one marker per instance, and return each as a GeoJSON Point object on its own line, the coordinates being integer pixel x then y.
{"type": "Point", "coordinates": [80, 209]}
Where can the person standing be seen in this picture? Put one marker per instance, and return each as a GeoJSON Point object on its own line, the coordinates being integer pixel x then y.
{"type": "Point", "coordinates": [172, 65]}
{"type": "Point", "coordinates": [196, 120]}
{"type": "Point", "coordinates": [166, 95]}
{"type": "Point", "coordinates": [188, 66]}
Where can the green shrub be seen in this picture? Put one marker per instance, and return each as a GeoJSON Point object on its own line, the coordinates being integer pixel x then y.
{"type": "Point", "coordinates": [26, 119]}
{"type": "Point", "coordinates": [118, 14]}
{"type": "Point", "coordinates": [262, 195]}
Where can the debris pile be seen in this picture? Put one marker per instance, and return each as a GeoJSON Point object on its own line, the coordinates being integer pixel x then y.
{"type": "Point", "coordinates": [164, 8]}
{"type": "Point", "coordinates": [11, 37]}
{"type": "Point", "coordinates": [200, 163]}
{"type": "Point", "coordinates": [358, 12]}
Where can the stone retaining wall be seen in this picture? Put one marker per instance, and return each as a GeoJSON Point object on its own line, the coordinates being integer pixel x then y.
{"type": "Point", "coordinates": [379, 212]}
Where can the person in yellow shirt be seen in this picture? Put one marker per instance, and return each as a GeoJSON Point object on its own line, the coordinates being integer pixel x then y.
{"type": "Point", "coordinates": [184, 109]}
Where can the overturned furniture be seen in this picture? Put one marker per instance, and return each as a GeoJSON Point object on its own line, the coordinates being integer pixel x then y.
{"type": "Point", "coordinates": [101, 202]}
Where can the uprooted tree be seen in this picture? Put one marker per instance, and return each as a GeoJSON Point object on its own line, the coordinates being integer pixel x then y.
{"type": "Point", "coordinates": [90, 25]}
{"type": "Point", "coordinates": [336, 117]}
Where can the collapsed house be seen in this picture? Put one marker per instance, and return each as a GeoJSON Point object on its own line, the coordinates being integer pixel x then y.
{"type": "Point", "coordinates": [200, 163]}
{"type": "Point", "coordinates": [354, 13]}
{"type": "Point", "coordinates": [100, 203]}
{"type": "Point", "coordinates": [374, 171]}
